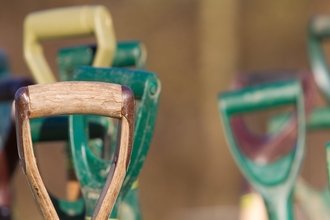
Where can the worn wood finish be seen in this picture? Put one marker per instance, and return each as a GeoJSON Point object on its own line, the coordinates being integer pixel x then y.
{"type": "Point", "coordinates": [75, 98]}
{"type": "Point", "coordinates": [110, 192]}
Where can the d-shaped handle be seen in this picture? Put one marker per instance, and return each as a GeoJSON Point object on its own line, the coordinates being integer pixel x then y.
{"type": "Point", "coordinates": [62, 98]}
{"type": "Point", "coordinates": [274, 181]}
{"type": "Point", "coordinates": [318, 30]}
{"type": "Point", "coordinates": [259, 97]}
{"type": "Point", "coordinates": [67, 23]}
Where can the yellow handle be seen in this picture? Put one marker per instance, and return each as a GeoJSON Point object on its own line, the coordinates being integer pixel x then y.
{"type": "Point", "coordinates": [67, 23]}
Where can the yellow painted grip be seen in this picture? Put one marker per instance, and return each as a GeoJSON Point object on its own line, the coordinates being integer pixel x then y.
{"type": "Point", "coordinates": [63, 23]}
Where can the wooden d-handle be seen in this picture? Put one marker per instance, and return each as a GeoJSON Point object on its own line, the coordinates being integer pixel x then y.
{"type": "Point", "coordinates": [67, 23]}
{"type": "Point", "coordinates": [62, 98]}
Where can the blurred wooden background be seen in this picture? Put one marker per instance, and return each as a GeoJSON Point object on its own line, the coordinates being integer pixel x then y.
{"type": "Point", "coordinates": [196, 47]}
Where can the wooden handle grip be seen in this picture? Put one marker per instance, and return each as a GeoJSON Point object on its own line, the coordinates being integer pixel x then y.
{"type": "Point", "coordinates": [67, 23]}
{"type": "Point", "coordinates": [75, 98]}
{"type": "Point", "coordinates": [67, 98]}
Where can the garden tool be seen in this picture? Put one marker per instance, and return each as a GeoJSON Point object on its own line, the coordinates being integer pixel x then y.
{"type": "Point", "coordinates": [67, 98]}
{"type": "Point", "coordinates": [64, 23]}
{"type": "Point", "coordinates": [251, 203]}
{"type": "Point", "coordinates": [314, 202]}
{"type": "Point", "coordinates": [319, 30]}
{"type": "Point", "coordinates": [67, 23]}
{"type": "Point", "coordinates": [328, 164]}
{"type": "Point", "coordinates": [8, 150]}
{"type": "Point", "coordinates": [8, 153]}
{"type": "Point", "coordinates": [259, 147]}
{"type": "Point", "coordinates": [273, 180]}
{"type": "Point", "coordinates": [5, 107]}
{"type": "Point", "coordinates": [128, 54]}
{"type": "Point", "coordinates": [146, 87]}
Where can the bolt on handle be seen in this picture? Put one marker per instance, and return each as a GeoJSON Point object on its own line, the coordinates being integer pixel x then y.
{"type": "Point", "coordinates": [61, 98]}
{"type": "Point", "coordinates": [67, 23]}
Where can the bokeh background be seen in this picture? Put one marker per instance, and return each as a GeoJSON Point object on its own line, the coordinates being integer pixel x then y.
{"type": "Point", "coordinates": [196, 47]}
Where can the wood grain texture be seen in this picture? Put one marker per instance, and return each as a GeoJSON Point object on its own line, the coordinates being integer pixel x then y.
{"type": "Point", "coordinates": [37, 186]}
{"type": "Point", "coordinates": [64, 98]}
{"type": "Point", "coordinates": [116, 177]}
{"type": "Point", "coordinates": [75, 98]}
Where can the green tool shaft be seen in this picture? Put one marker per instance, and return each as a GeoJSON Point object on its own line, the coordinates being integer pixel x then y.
{"type": "Point", "coordinates": [280, 208]}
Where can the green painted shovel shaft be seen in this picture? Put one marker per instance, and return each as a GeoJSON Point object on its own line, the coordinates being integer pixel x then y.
{"type": "Point", "coordinates": [4, 65]}
{"type": "Point", "coordinates": [146, 88]}
{"type": "Point", "coordinates": [127, 54]}
{"type": "Point", "coordinates": [274, 181]}
{"type": "Point", "coordinates": [318, 30]}
{"type": "Point", "coordinates": [318, 120]}
{"type": "Point", "coordinates": [280, 208]}
{"type": "Point", "coordinates": [328, 162]}
{"type": "Point", "coordinates": [5, 107]}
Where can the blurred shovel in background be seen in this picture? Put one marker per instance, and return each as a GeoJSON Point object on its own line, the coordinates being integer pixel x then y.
{"type": "Point", "coordinates": [313, 202]}
{"type": "Point", "coordinates": [273, 179]}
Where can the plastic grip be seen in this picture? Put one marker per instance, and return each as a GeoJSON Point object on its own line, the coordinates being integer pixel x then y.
{"type": "Point", "coordinates": [67, 23]}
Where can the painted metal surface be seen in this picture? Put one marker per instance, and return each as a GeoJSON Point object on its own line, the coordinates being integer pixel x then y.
{"type": "Point", "coordinates": [314, 202]}
{"type": "Point", "coordinates": [128, 54]}
{"type": "Point", "coordinates": [275, 187]}
{"type": "Point", "coordinates": [5, 105]}
{"type": "Point", "coordinates": [146, 87]}
{"type": "Point", "coordinates": [267, 147]}
{"type": "Point", "coordinates": [316, 206]}
{"type": "Point", "coordinates": [8, 149]}
{"type": "Point", "coordinates": [318, 32]}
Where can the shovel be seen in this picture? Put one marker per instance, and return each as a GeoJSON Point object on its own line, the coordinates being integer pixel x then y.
{"type": "Point", "coordinates": [274, 180]}
{"type": "Point", "coordinates": [65, 23]}
{"type": "Point", "coordinates": [67, 98]}
{"type": "Point", "coordinates": [128, 54]}
{"type": "Point", "coordinates": [8, 155]}
{"type": "Point", "coordinates": [146, 87]}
